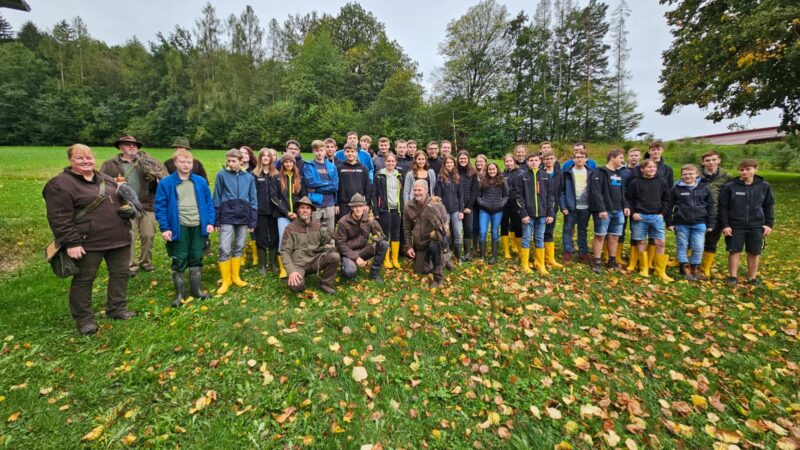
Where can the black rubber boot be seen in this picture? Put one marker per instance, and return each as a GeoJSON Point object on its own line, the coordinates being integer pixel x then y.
{"type": "Point", "coordinates": [194, 284]}
{"type": "Point", "coordinates": [493, 259]}
{"type": "Point", "coordinates": [457, 253]}
{"type": "Point", "coordinates": [375, 273]}
{"type": "Point", "coordinates": [262, 261]}
{"type": "Point", "coordinates": [273, 260]}
{"type": "Point", "coordinates": [180, 288]}
{"type": "Point", "coordinates": [465, 256]}
{"type": "Point", "coordinates": [437, 281]}
{"type": "Point", "coordinates": [483, 249]}
{"type": "Point", "coordinates": [475, 246]}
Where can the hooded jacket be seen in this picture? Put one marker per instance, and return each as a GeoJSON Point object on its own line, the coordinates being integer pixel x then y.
{"type": "Point", "coordinates": [380, 191]}
{"type": "Point", "coordinates": [316, 186]}
{"type": "Point", "coordinates": [567, 198]}
{"type": "Point", "coordinates": [747, 205]}
{"type": "Point", "coordinates": [363, 157]}
{"type": "Point", "coordinates": [662, 170]}
{"type": "Point", "coordinates": [235, 199]}
{"type": "Point", "coordinates": [692, 205]}
{"type": "Point", "coordinates": [606, 193]}
{"type": "Point", "coordinates": [353, 179]}
{"type": "Point", "coordinates": [302, 242]}
{"type": "Point", "coordinates": [166, 204]}
{"type": "Point", "coordinates": [535, 198]}
{"type": "Point", "coordinates": [648, 196]}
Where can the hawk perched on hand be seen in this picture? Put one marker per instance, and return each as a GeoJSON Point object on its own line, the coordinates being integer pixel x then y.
{"type": "Point", "coordinates": [130, 205]}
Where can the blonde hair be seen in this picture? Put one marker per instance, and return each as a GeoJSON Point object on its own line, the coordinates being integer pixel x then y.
{"type": "Point", "coordinates": [315, 144]}
{"type": "Point", "coordinates": [182, 153]}
{"type": "Point", "coordinates": [79, 148]}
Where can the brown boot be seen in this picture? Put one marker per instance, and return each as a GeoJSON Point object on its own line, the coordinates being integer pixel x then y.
{"type": "Point", "coordinates": [566, 257]}
{"type": "Point", "coordinates": [697, 271]}
{"type": "Point", "coordinates": [686, 271]}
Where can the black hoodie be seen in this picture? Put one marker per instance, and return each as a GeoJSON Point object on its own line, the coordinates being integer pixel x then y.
{"type": "Point", "coordinates": [605, 191]}
{"type": "Point", "coordinates": [747, 205]}
{"type": "Point", "coordinates": [353, 179]}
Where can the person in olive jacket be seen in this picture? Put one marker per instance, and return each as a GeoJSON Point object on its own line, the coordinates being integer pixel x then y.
{"type": "Point", "coordinates": [747, 216]}
{"type": "Point", "coordinates": [100, 235]}
{"type": "Point", "coordinates": [715, 176]}
{"type": "Point", "coordinates": [307, 248]}
{"type": "Point", "coordinates": [353, 233]}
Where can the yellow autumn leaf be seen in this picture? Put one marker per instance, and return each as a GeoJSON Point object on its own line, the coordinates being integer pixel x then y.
{"type": "Point", "coordinates": [494, 418]}
{"type": "Point", "coordinates": [94, 434]}
{"type": "Point", "coordinates": [45, 390]}
{"type": "Point", "coordinates": [436, 434]}
{"type": "Point", "coordinates": [129, 439]}
{"type": "Point", "coordinates": [14, 417]}
{"type": "Point", "coordinates": [570, 427]}
{"type": "Point", "coordinates": [699, 401]}
{"type": "Point", "coordinates": [750, 337]}
{"type": "Point", "coordinates": [581, 363]}
{"type": "Point", "coordinates": [563, 445]}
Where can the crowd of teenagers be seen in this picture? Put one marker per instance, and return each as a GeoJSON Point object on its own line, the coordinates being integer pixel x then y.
{"type": "Point", "coordinates": [358, 208]}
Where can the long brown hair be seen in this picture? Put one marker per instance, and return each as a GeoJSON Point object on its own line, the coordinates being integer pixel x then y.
{"type": "Point", "coordinates": [414, 166]}
{"type": "Point", "coordinates": [449, 175]}
{"type": "Point", "coordinates": [496, 180]}
{"type": "Point", "coordinates": [295, 178]}
{"type": "Point", "coordinates": [481, 173]}
{"type": "Point", "coordinates": [260, 168]}
{"type": "Point", "coordinates": [470, 169]}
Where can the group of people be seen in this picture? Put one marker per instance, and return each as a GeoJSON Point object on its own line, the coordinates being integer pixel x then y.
{"type": "Point", "coordinates": [345, 207]}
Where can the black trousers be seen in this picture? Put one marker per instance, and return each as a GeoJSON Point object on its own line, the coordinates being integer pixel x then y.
{"type": "Point", "coordinates": [80, 290]}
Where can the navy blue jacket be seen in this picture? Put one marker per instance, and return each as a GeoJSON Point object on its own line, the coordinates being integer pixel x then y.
{"type": "Point", "coordinates": [692, 205]}
{"type": "Point", "coordinates": [235, 199]}
{"type": "Point", "coordinates": [566, 196]}
{"type": "Point", "coordinates": [743, 205]}
{"type": "Point", "coordinates": [535, 198]}
{"type": "Point", "coordinates": [165, 204]}
{"type": "Point", "coordinates": [450, 193]}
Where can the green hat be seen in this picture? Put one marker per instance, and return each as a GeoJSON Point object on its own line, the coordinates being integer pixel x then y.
{"type": "Point", "coordinates": [306, 201]}
{"type": "Point", "coordinates": [357, 200]}
{"type": "Point", "coordinates": [181, 141]}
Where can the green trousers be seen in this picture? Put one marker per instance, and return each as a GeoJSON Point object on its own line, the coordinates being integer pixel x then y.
{"type": "Point", "coordinates": [188, 251]}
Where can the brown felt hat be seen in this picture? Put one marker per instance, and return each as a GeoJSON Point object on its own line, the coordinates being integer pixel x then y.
{"type": "Point", "coordinates": [128, 139]}
{"type": "Point", "coordinates": [357, 200]}
{"type": "Point", "coordinates": [306, 201]}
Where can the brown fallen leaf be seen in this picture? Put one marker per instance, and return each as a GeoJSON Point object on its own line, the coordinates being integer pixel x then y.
{"type": "Point", "coordinates": [94, 434]}
{"type": "Point", "coordinates": [285, 415]}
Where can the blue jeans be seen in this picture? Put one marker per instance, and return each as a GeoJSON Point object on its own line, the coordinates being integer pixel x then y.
{"type": "Point", "coordinates": [231, 241]}
{"type": "Point", "coordinates": [484, 219]}
{"type": "Point", "coordinates": [457, 228]}
{"type": "Point", "coordinates": [283, 222]}
{"type": "Point", "coordinates": [651, 226]}
{"type": "Point", "coordinates": [579, 217]}
{"type": "Point", "coordinates": [612, 224]}
{"type": "Point", "coordinates": [692, 236]}
{"type": "Point", "coordinates": [534, 228]}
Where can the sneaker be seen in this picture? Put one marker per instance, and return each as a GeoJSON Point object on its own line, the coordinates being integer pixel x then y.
{"type": "Point", "coordinates": [122, 315]}
{"type": "Point", "coordinates": [88, 329]}
{"type": "Point", "coordinates": [597, 265]}
{"type": "Point", "coordinates": [686, 271]}
{"type": "Point", "coordinates": [731, 281]}
{"type": "Point", "coordinates": [697, 272]}
{"type": "Point", "coordinates": [754, 282]}
{"type": "Point", "coordinates": [147, 268]}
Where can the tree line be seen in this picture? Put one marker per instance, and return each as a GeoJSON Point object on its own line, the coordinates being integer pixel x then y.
{"type": "Point", "coordinates": [558, 75]}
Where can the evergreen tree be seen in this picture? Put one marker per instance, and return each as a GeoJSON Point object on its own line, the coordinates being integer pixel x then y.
{"type": "Point", "coordinates": [6, 31]}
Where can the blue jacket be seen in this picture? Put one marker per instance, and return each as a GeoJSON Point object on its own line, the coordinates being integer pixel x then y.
{"type": "Point", "coordinates": [566, 197]}
{"type": "Point", "coordinates": [590, 163]}
{"type": "Point", "coordinates": [363, 158]}
{"type": "Point", "coordinates": [316, 186]}
{"type": "Point", "coordinates": [235, 199]}
{"type": "Point", "coordinates": [165, 205]}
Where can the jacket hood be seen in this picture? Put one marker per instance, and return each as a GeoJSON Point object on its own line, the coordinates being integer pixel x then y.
{"type": "Point", "coordinates": [695, 185]}
{"type": "Point", "coordinates": [756, 179]}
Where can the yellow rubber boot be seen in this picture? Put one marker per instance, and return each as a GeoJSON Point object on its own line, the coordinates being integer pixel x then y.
{"type": "Point", "coordinates": [634, 259]}
{"type": "Point", "coordinates": [651, 256]}
{"type": "Point", "coordinates": [395, 254]}
{"type": "Point", "coordinates": [387, 261]}
{"type": "Point", "coordinates": [524, 260]}
{"type": "Point", "coordinates": [707, 263]}
{"type": "Point", "coordinates": [505, 246]}
{"type": "Point", "coordinates": [644, 263]}
{"type": "Point", "coordinates": [282, 273]}
{"type": "Point", "coordinates": [619, 254]}
{"type": "Point", "coordinates": [514, 242]}
{"type": "Point", "coordinates": [661, 268]}
{"type": "Point", "coordinates": [605, 251]}
{"type": "Point", "coordinates": [538, 261]}
{"type": "Point", "coordinates": [550, 255]}
{"type": "Point", "coordinates": [225, 274]}
{"type": "Point", "coordinates": [254, 249]}
{"type": "Point", "coordinates": [236, 265]}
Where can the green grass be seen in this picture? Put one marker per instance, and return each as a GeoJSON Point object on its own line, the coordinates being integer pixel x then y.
{"type": "Point", "coordinates": [476, 363]}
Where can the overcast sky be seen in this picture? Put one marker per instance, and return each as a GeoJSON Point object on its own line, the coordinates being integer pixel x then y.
{"type": "Point", "coordinates": [418, 25]}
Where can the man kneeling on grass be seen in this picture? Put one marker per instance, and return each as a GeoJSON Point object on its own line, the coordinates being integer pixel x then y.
{"type": "Point", "coordinates": [426, 226]}
{"type": "Point", "coordinates": [352, 240]}
{"type": "Point", "coordinates": [306, 247]}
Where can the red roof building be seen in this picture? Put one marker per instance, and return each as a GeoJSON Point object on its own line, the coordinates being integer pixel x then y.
{"type": "Point", "coordinates": [754, 136]}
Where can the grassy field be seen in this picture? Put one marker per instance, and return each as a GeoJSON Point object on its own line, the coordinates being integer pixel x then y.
{"type": "Point", "coordinates": [493, 359]}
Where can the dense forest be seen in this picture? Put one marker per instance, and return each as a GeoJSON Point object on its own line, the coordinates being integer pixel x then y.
{"type": "Point", "coordinates": [557, 74]}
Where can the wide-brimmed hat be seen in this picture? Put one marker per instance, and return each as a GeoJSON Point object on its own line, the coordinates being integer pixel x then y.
{"type": "Point", "coordinates": [128, 139]}
{"type": "Point", "coordinates": [181, 141]}
{"type": "Point", "coordinates": [357, 200]}
{"type": "Point", "coordinates": [306, 201]}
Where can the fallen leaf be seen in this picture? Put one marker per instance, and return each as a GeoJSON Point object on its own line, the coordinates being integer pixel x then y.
{"type": "Point", "coordinates": [553, 413]}
{"type": "Point", "coordinates": [94, 434]}
{"type": "Point", "coordinates": [14, 417]}
{"type": "Point", "coordinates": [129, 439]}
{"type": "Point", "coordinates": [359, 373]}
{"type": "Point", "coordinates": [285, 415]}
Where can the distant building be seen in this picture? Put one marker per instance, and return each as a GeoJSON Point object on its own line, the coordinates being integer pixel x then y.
{"type": "Point", "coordinates": [754, 136]}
